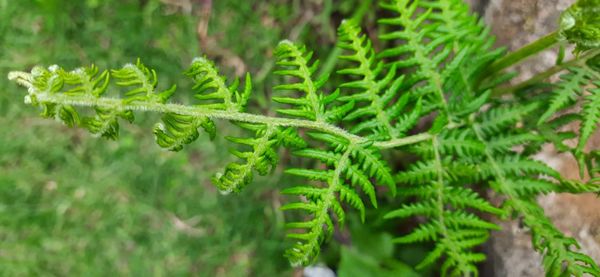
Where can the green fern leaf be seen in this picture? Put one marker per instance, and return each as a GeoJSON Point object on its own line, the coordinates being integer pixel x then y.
{"type": "Point", "coordinates": [496, 120]}
{"type": "Point", "coordinates": [443, 203]}
{"type": "Point", "coordinates": [519, 179]}
{"type": "Point", "coordinates": [372, 164]}
{"type": "Point", "coordinates": [425, 52]}
{"type": "Point", "coordinates": [566, 92]}
{"type": "Point", "coordinates": [368, 84]}
{"type": "Point", "coordinates": [86, 81]}
{"type": "Point", "coordinates": [106, 122]}
{"type": "Point", "coordinates": [262, 158]}
{"type": "Point", "coordinates": [179, 130]}
{"type": "Point", "coordinates": [591, 116]}
{"type": "Point", "coordinates": [295, 61]}
{"type": "Point", "coordinates": [212, 90]}
{"type": "Point", "coordinates": [145, 81]}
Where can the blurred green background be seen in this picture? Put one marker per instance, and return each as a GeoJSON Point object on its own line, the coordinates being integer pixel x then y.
{"type": "Point", "coordinates": [72, 204]}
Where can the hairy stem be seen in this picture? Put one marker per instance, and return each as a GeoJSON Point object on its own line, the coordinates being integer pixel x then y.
{"type": "Point", "coordinates": [119, 104]}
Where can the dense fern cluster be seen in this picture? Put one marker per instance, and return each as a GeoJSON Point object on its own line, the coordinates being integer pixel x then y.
{"type": "Point", "coordinates": [429, 92]}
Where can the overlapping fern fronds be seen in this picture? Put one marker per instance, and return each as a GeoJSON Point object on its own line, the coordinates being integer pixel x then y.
{"type": "Point", "coordinates": [471, 144]}
{"type": "Point", "coordinates": [436, 40]}
{"type": "Point", "coordinates": [425, 52]}
{"type": "Point", "coordinates": [520, 179]}
{"type": "Point", "coordinates": [380, 117]}
{"type": "Point", "coordinates": [348, 164]}
{"type": "Point", "coordinates": [440, 184]}
{"type": "Point", "coordinates": [426, 93]}
{"type": "Point", "coordinates": [579, 86]}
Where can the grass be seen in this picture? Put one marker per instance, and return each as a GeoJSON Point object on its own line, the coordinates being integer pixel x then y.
{"type": "Point", "coordinates": [72, 204]}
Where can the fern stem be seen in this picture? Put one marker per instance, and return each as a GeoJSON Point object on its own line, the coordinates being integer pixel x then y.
{"type": "Point", "coordinates": [119, 104]}
{"type": "Point", "coordinates": [578, 61]}
{"type": "Point", "coordinates": [523, 53]}
{"type": "Point", "coordinates": [393, 143]}
{"type": "Point", "coordinates": [439, 187]}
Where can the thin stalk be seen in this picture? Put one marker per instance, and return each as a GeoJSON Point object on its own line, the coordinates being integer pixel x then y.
{"type": "Point", "coordinates": [523, 53]}
{"type": "Point", "coordinates": [115, 103]}
{"type": "Point", "coordinates": [578, 61]}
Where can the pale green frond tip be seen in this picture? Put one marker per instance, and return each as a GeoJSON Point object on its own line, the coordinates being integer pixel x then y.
{"type": "Point", "coordinates": [200, 60]}
{"type": "Point", "coordinates": [21, 78]}
{"type": "Point", "coordinates": [286, 42]}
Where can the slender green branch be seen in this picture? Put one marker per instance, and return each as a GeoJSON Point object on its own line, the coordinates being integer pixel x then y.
{"type": "Point", "coordinates": [403, 141]}
{"type": "Point", "coordinates": [578, 61]}
{"type": "Point", "coordinates": [523, 53]}
{"type": "Point", "coordinates": [115, 103]}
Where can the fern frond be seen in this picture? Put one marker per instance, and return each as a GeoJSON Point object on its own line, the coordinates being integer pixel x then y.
{"type": "Point", "coordinates": [372, 87]}
{"type": "Point", "coordinates": [432, 79]}
{"type": "Point", "coordinates": [521, 180]}
{"type": "Point", "coordinates": [504, 143]}
{"type": "Point", "coordinates": [47, 81]}
{"type": "Point", "coordinates": [515, 165]}
{"type": "Point", "coordinates": [426, 52]}
{"type": "Point", "coordinates": [89, 82]}
{"type": "Point", "coordinates": [460, 143]}
{"type": "Point", "coordinates": [579, 86]}
{"type": "Point", "coordinates": [591, 115]}
{"type": "Point", "coordinates": [178, 130]}
{"type": "Point", "coordinates": [567, 91]}
{"type": "Point", "coordinates": [348, 166]}
{"type": "Point", "coordinates": [559, 258]}
{"type": "Point", "coordinates": [525, 186]}
{"type": "Point", "coordinates": [262, 158]}
{"type": "Point", "coordinates": [145, 81]}
{"type": "Point", "coordinates": [106, 122]}
{"type": "Point", "coordinates": [492, 122]}
{"type": "Point", "coordinates": [462, 198]}
{"type": "Point", "coordinates": [371, 163]}
{"type": "Point", "coordinates": [295, 62]}
{"type": "Point", "coordinates": [212, 90]}
{"type": "Point", "coordinates": [82, 82]}
{"type": "Point", "coordinates": [419, 172]}
{"type": "Point", "coordinates": [320, 203]}
{"type": "Point", "coordinates": [86, 81]}
{"type": "Point", "coordinates": [455, 231]}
